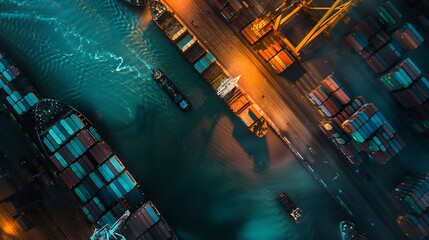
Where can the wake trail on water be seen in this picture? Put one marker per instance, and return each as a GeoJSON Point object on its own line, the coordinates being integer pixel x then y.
{"type": "Point", "coordinates": [86, 47]}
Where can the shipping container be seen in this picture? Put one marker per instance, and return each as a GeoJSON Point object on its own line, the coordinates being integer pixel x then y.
{"type": "Point", "coordinates": [77, 121]}
{"type": "Point", "coordinates": [134, 198]}
{"type": "Point", "coordinates": [85, 138]}
{"type": "Point", "coordinates": [69, 177]}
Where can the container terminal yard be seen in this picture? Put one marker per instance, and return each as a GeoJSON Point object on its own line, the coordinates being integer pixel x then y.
{"type": "Point", "coordinates": [343, 85]}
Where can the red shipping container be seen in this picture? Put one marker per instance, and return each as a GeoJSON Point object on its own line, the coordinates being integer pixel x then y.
{"type": "Point", "coordinates": [375, 64]}
{"type": "Point", "coordinates": [351, 41]}
{"type": "Point", "coordinates": [105, 149]}
{"type": "Point", "coordinates": [56, 163]}
{"type": "Point", "coordinates": [15, 70]}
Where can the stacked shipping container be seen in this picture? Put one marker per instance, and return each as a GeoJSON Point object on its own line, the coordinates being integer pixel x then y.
{"type": "Point", "coordinates": [412, 197]}
{"type": "Point", "coordinates": [98, 178]}
{"type": "Point", "coordinates": [356, 127]}
{"type": "Point", "coordinates": [370, 40]}
{"type": "Point", "coordinates": [253, 37]}
{"type": "Point", "coordinates": [408, 37]}
{"type": "Point", "coordinates": [330, 96]}
{"type": "Point", "coordinates": [277, 57]}
{"type": "Point", "coordinates": [20, 100]}
{"type": "Point", "coordinates": [411, 88]}
{"type": "Point", "coordinates": [146, 224]}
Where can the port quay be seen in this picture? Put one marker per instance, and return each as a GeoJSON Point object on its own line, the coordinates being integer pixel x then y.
{"type": "Point", "coordinates": [214, 119]}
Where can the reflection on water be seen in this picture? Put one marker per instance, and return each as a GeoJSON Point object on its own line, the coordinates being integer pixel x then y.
{"type": "Point", "coordinates": [208, 175]}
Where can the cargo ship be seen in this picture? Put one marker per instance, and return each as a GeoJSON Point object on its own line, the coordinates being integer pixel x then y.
{"type": "Point", "coordinates": [209, 69]}
{"type": "Point", "coordinates": [349, 231]}
{"type": "Point", "coordinates": [294, 212]}
{"type": "Point", "coordinates": [95, 175]}
{"type": "Point", "coordinates": [168, 87]}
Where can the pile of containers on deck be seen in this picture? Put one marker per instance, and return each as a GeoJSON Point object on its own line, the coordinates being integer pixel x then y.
{"type": "Point", "coordinates": [18, 97]}
{"type": "Point", "coordinates": [412, 198]}
{"type": "Point", "coordinates": [277, 57]}
{"type": "Point", "coordinates": [254, 36]}
{"type": "Point", "coordinates": [411, 88]}
{"type": "Point", "coordinates": [371, 40]}
{"type": "Point", "coordinates": [208, 67]}
{"type": "Point", "coordinates": [356, 127]}
{"type": "Point", "coordinates": [98, 178]}
{"type": "Point", "coordinates": [84, 162]}
{"type": "Point", "coordinates": [408, 37]}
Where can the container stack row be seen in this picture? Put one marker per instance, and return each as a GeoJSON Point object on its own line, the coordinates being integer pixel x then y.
{"type": "Point", "coordinates": [87, 165]}
{"type": "Point", "coordinates": [251, 36]}
{"type": "Point", "coordinates": [18, 99]}
{"type": "Point", "coordinates": [370, 39]}
{"type": "Point", "coordinates": [411, 88]}
{"type": "Point", "coordinates": [329, 97]}
{"type": "Point", "coordinates": [145, 223]}
{"type": "Point", "coordinates": [373, 133]}
{"type": "Point", "coordinates": [332, 129]}
{"type": "Point", "coordinates": [356, 127]}
{"type": "Point", "coordinates": [379, 40]}
{"type": "Point", "coordinates": [277, 57]}
{"type": "Point", "coordinates": [203, 63]}
{"type": "Point", "coordinates": [408, 37]}
{"type": "Point", "coordinates": [411, 196]}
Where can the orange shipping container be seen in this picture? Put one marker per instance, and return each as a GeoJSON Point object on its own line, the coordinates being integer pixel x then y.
{"type": "Point", "coordinates": [280, 62]}
{"type": "Point", "coordinates": [261, 52]}
{"type": "Point", "coordinates": [268, 53]}
{"type": "Point", "coordinates": [272, 51]}
{"type": "Point", "coordinates": [285, 58]}
{"type": "Point", "coordinates": [276, 65]}
{"type": "Point", "coordinates": [277, 47]}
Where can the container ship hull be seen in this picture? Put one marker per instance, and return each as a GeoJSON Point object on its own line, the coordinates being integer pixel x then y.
{"type": "Point", "coordinates": [98, 179]}
{"type": "Point", "coordinates": [294, 212]}
{"type": "Point", "coordinates": [171, 90]}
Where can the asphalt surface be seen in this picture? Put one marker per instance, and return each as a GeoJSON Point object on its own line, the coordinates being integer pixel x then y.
{"type": "Point", "coordinates": [287, 106]}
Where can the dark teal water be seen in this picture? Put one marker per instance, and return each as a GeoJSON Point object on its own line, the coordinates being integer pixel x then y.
{"type": "Point", "coordinates": [209, 177]}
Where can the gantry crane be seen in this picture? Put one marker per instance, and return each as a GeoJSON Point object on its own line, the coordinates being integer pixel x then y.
{"type": "Point", "coordinates": [110, 233]}
{"type": "Point", "coordinates": [326, 18]}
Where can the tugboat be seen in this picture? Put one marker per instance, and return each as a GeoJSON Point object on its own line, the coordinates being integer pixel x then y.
{"type": "Point", "coordinates": [294, 212]}
{"type": "Point", "coordinates": [168, 87]}
{"type": "Point", "coordinates": [349, 231]}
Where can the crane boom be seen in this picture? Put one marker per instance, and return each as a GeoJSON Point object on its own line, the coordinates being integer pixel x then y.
{"type": "Point", "coordinates": [107, 233]}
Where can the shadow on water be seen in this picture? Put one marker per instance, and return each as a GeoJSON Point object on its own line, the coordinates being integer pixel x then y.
{"type": "Point", "coordinates": [255, 147]}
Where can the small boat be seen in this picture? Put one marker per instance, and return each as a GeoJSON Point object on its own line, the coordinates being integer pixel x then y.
{"type": "Point", "coordinates": [168, 87]}
{"type": "Point", "coordinates": [294, 212]}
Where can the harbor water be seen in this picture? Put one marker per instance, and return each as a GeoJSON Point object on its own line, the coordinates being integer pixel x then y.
{"type": "Point", "coordinates": [210, 178]}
